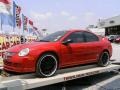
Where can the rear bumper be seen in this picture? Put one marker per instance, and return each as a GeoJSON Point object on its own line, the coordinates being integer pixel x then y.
{"type": "Point", "coordinates": [117, 41]}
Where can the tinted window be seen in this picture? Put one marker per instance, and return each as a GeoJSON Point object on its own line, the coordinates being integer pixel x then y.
{"type": "Point", "coordinates": [54, 36]}
{"type": "Point", "coordinates": [89, 37]}
{"type": "Point", "coordinates": [76, 37]}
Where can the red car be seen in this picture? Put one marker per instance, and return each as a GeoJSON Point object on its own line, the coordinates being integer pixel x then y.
{"type": "Point", "coordinates": [117, 40]}
{"type": "Point", "coordinates": [61, 49]}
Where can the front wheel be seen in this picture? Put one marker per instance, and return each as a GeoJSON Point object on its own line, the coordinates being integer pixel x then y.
{"type": "Point", "coordinates": [104, 59]}
{"type": "Point", "coordinates": [46, 65]}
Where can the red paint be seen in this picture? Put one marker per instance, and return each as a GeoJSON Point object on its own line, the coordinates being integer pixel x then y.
{"type": "Point", "coordinates": [117, 40]}
{"type": "Point", "coordinates": [69, 55]}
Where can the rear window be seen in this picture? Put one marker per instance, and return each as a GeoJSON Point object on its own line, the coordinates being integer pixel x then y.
{"type": "Point", "coordinates": [89, 37]}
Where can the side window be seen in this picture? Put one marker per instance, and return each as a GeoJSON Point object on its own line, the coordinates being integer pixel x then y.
{"type": "Point", "coordinates": [76, 37]}
{"type": "Point", "coordinates": [89, 37]}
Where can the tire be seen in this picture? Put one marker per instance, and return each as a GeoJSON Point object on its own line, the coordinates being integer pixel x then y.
{"type": "Point", "coordinates": [46, 66]}
{"type": "Point", "coordinates": [104, 59]}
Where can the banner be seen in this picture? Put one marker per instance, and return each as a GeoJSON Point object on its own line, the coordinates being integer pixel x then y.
{"type": "Point", "coordinates": [7, 41]}
{"type": "Point", "coordinates": [6, 17]}
{"type": "Point", "coordinates": [35, 28]}
{"type": "Point", "coordinates": [16, 15]}
{"type": "Point", "coordinates": [5, 1]}
{"type": "Point", "coordinates": [25, 21]}
{"type": "Point", "coordinates": [30, 27]}
{"type": "Point", "coordinates": [7, 4]}
{"type": "Point", "coordinates": [37, 32]}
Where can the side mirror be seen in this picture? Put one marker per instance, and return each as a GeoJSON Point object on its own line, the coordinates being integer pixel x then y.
{"type": "Point", "coordinates": [67, 42]}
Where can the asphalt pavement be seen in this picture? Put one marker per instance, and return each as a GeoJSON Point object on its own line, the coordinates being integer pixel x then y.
{"type": "Point", "coordinates": [116, 52]}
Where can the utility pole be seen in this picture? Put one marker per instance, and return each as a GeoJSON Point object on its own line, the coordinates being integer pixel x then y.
{"type": "Point", "coordinates": [44, 31]}
{"type": "Point", "coordinates": [1, 22]}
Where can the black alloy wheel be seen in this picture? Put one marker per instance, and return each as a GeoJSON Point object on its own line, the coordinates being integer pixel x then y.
{"type": "Point", "coordinates": [46, 65]}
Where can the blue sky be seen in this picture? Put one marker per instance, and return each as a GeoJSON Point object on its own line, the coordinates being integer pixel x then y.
{"type": "Point", "coordinates": [57, 15]}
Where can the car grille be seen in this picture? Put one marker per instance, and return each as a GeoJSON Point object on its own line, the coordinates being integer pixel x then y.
{"type": "Point", "coordinates": [8, 55]}
{"type": "Point", "coordinates": [8, 63]}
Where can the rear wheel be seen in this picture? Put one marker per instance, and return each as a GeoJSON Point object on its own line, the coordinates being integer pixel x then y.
{"type": "Point", "coordinates": [46, 65]}
{"type": "Point", "coordinates": [104, 59]}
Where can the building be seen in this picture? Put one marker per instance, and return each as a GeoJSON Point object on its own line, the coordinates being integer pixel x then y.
{"type": "Point", "coordinates": [96, 30]}
{"type": "Point", "coordinates": [111, 25]}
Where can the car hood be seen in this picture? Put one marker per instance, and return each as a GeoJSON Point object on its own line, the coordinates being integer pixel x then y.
{"type": "Point", "coordinates": [31, 46]}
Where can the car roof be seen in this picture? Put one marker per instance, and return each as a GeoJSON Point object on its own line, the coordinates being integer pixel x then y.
{"type": "Point", "coordinates": [114, 35]}
{"type": "Point", "coordinates": [74, 30]}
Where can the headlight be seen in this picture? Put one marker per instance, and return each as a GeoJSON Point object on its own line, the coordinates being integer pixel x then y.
{"type": "Point", "coordinates": [24, 52]}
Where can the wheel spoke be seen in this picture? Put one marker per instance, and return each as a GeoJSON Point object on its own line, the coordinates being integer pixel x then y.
{"type": "Point", "coordinates": [48, 65]}
{"type": "Point", "coordinates": [105, 58]}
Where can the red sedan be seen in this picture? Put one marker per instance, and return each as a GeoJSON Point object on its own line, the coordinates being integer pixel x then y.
{"type": "Point", "coordinates": [61, 49]}
{"type": "Point", "coordinates": [117, 40]}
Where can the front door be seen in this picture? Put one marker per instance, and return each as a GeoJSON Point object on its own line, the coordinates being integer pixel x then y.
{"type": "Point", "coordinates": [73, 53]}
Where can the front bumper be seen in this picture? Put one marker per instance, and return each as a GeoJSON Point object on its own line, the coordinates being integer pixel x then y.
{"type": "Point", "coordinates": [19, 64]}
{"type": "Point", "coordinates": [17, 69]}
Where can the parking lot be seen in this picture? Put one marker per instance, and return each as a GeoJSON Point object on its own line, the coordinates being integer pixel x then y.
{"type": "Point", "coordinates": [116, 52]}
{"type": "Point", "coordinates": [104, 81]}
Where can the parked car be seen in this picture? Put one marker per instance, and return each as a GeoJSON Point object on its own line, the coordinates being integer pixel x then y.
{"type": "Point", "coordinates": [112, 38]}
{"type": "Point", "coordinates": [61, 49]}
{"type": "Point", "coordinates": [117, 40]}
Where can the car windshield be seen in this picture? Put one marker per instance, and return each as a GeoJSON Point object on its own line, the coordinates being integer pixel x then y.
{"type": "Point", "coordinates": [54, 36]}
{"type": "Point", "coordinates": [114, 36]}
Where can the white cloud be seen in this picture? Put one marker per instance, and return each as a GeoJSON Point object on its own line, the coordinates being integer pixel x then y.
{"type": "Point", "coordinates": [62, 20]}
{"type": "Point", "coordinates": [72, 18]}
{"type": "Point", "coordinates": [90, 18]}
{"type": "Point", "coordinates": [89, 14]}
{"type": "Point", "coordinates": [48, 14]}
{"type": "Point", "coordinates": [68, 16]}
{"type": "Point", "coordinates": [64, 13]}
{"type": "Point", "coordinates": [40, 16]}
{"type": "Point", "coordinates": [42, 20]}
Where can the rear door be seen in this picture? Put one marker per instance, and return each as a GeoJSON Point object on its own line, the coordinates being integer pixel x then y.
{"type": "Point", "coordinates": [93, 45]}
